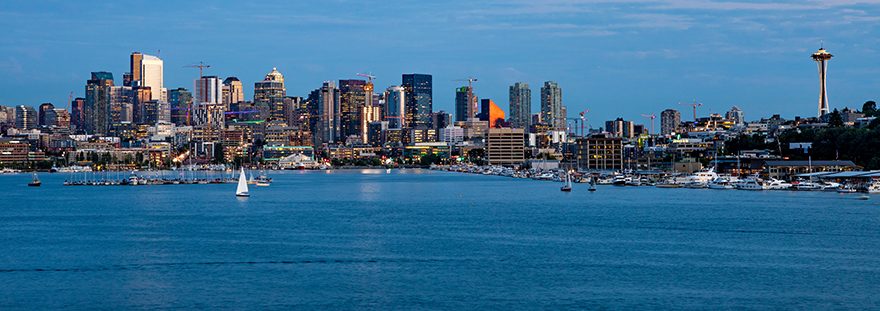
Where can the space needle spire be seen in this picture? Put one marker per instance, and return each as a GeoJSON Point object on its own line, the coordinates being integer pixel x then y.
{"type": "Point", "coordinates": [821, 57]}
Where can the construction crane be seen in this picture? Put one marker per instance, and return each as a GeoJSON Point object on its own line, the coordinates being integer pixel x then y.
{"type": "Point", "coordinates": [652, 116]}
{"type": "Point", "coordinates": [69, 99]}
{"type": "Point", "coordinates": [583, 120]}
{"type": "Point", "coordinates": [470, 81]}
{"type": "Point", "coordinates": [369, 76]}
{"type": "Point", "coordinates": [695, 105]}
{"type": "Point", "coordinates": [201, 67]}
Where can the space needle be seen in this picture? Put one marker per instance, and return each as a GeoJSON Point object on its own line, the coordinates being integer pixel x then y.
{"type": "Point", "coordinates": [821, 59]}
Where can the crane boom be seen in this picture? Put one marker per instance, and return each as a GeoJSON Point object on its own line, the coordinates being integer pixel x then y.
{"type": "Point", "coordinates": [69, 99]}
{"type": "Point", "coordinates": [201, 66]}
{"type": "Point", "coordinates": [695, 105]}
{"type": "Point", "coordinates": [652, 116]}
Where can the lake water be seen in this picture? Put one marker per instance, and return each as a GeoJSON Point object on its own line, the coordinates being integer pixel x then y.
{"type": "Point", "coordinates": [418, 239]}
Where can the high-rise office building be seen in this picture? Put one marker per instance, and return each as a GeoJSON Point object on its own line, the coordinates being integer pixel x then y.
{"type": "Point", "coordinates": [464, 102]}
{"type": "Point", "coordinates": [42, 111]}
{"type": "Point", "coordinates": [25, 117]}
{"type": "Point", "coordinates": [181, 102]}
{"type": "Point", "coordinates": [121, 108]}
{"type": "Point", "coordinates": [352, 98]}
{"type": "Point", "coordinates": [233, 92]}
{"type": "Point", "coordinates": [142, 94]}
{"type": "Point", "coordinates": [395, 103]}
{"type": "Point", "coordinates": [77, 111]}
{"type": "Point", "coordinates": [419, 93]}
{"type": "Point", "coordinates": [670, 121]}
{"type": "Point", "coordinates": [97, 103]}
{"type": "Point", "coordinates": [147, 71]}
{"type": "Point", "coordinates": [551, 105]}
{"type": "Point", "coordinates": [327, 124]}
{"type": "Point", "coordinates": [440, 119]}
{"type": "Point", "coordinates": [271, 92]}
{"type": "Point", "coordinates": [520, 105]}
{"type": "Point", "coordinates": [208, 101]}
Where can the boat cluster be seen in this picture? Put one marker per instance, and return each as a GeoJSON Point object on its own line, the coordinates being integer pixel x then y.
{"type": "Point", "coordinates": [706, 178]}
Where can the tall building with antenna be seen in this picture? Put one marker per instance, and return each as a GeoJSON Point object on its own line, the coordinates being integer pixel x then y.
{"type": "Point", "coordinates": [821, 57]}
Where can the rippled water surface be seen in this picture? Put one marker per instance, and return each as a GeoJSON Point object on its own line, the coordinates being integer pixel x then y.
{"type": "Point", "coordinates": [419, 239]}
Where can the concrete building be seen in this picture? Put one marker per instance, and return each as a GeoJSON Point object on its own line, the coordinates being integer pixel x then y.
{"type": "Point", "coordinates": [600, 152]}
{"type": "Point", "coordinates": [233, 92]}
{"type": "Point", "coordinates": [505, 146]}
{"type": "Point", "coordinates": [551, 105]}
{"type": "Point", "coordinates": [97, 103]}
{"type": "Point", "coordinates": [620, 128]}
{"type": "Point", "coordinates": [208, 101]}
{"type": "Point", "coordinates": [452, 134]}
{"type": "Point", "coordinates": [736, 116]}
{"type": "Point", "coordinates": [520, 105]}
{"type": "Point", "coordinates": [670, 121]}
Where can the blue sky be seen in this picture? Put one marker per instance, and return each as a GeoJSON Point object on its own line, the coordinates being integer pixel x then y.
{"type": "Point", "coordinates": [614, 58]}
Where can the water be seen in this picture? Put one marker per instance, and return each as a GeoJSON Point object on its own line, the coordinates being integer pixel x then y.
{"type": "Point", "coordinates": [417, 239]}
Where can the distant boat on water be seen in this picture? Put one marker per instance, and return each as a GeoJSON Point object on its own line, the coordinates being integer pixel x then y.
{"type": "Point", "coordinates": [567, 186]}
{"type": "Point", "coordinates": [36, 181]}
{"type": "Point", "coordinates": [242, 190]}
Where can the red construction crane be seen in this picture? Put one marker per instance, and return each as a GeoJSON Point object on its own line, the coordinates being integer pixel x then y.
{"type": "Point", "coordinates": [469, 80]}
{"type": "Point", "coordinates": [583, 120]}
{"type": "Point", "coordinates": [369, 76]}
{"type": "Point", "coordinates": [69, 99]}
{"type": "Point", "coordinates": [695, 105]}
{"type": "Point", "coordinates": [652, 116]}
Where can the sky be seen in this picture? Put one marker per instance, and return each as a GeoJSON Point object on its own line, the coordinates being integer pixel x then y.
{"type": "Point", "coordinates": [623, 58]}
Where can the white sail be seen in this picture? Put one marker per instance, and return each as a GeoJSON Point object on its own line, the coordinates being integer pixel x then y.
{"type": "Point", "coordinates": [567, 180]}
{"type": "Point", "coordinates": [242, 185]}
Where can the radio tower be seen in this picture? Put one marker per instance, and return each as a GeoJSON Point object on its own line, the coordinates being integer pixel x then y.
{"type": "Point", "coordinates": [821, 59]}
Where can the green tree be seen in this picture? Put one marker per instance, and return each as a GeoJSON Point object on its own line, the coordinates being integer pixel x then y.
{"type": "Point", "coordinates": [869, 108]}
{"type": "Point", "coordinates": [218, 154]}
{"type": "Point", "coordinates": [835, 120]}
{"type": "Point", "coordinates": [745, 142]}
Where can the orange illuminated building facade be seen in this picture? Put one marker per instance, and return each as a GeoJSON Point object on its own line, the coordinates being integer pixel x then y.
{"type": "Point", "coordinates": [490, 112]}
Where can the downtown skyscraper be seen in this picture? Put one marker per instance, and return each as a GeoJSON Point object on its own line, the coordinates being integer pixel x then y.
{"type": "Point", "coordinates": [148, 71]}
{"type": "Point", "coordinates": [394, 107]}
{"type": "Point", "coordinates": [419, 93]}
{"type": "Point", "coordinates": [520, 105]}
{"type": "Point", "coordinates": [352, 99]}
{"type": "Point", "coordinates": [96, 109]}
{"type": "Point", "coordinates": [270, 92]}
{"type": "Point", "coordinates": [552, 112]}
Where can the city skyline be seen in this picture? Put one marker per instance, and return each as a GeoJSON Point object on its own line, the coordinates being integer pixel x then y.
{"type": "Point", "coordinates": [642, 58]}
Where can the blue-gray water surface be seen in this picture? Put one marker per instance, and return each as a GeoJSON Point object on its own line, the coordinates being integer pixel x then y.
{"type": "Point", "coordinates": [418, 239]}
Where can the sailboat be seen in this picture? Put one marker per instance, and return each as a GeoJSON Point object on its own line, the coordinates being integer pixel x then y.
{"type": "Point", "coordinates": [242, 190]}
{"type": "Point", "coordinates": [36, 182]}
{"type": "Point", "coordinates": [567, 187]}
{"type": "Point", "coordinates": [592, 183]}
